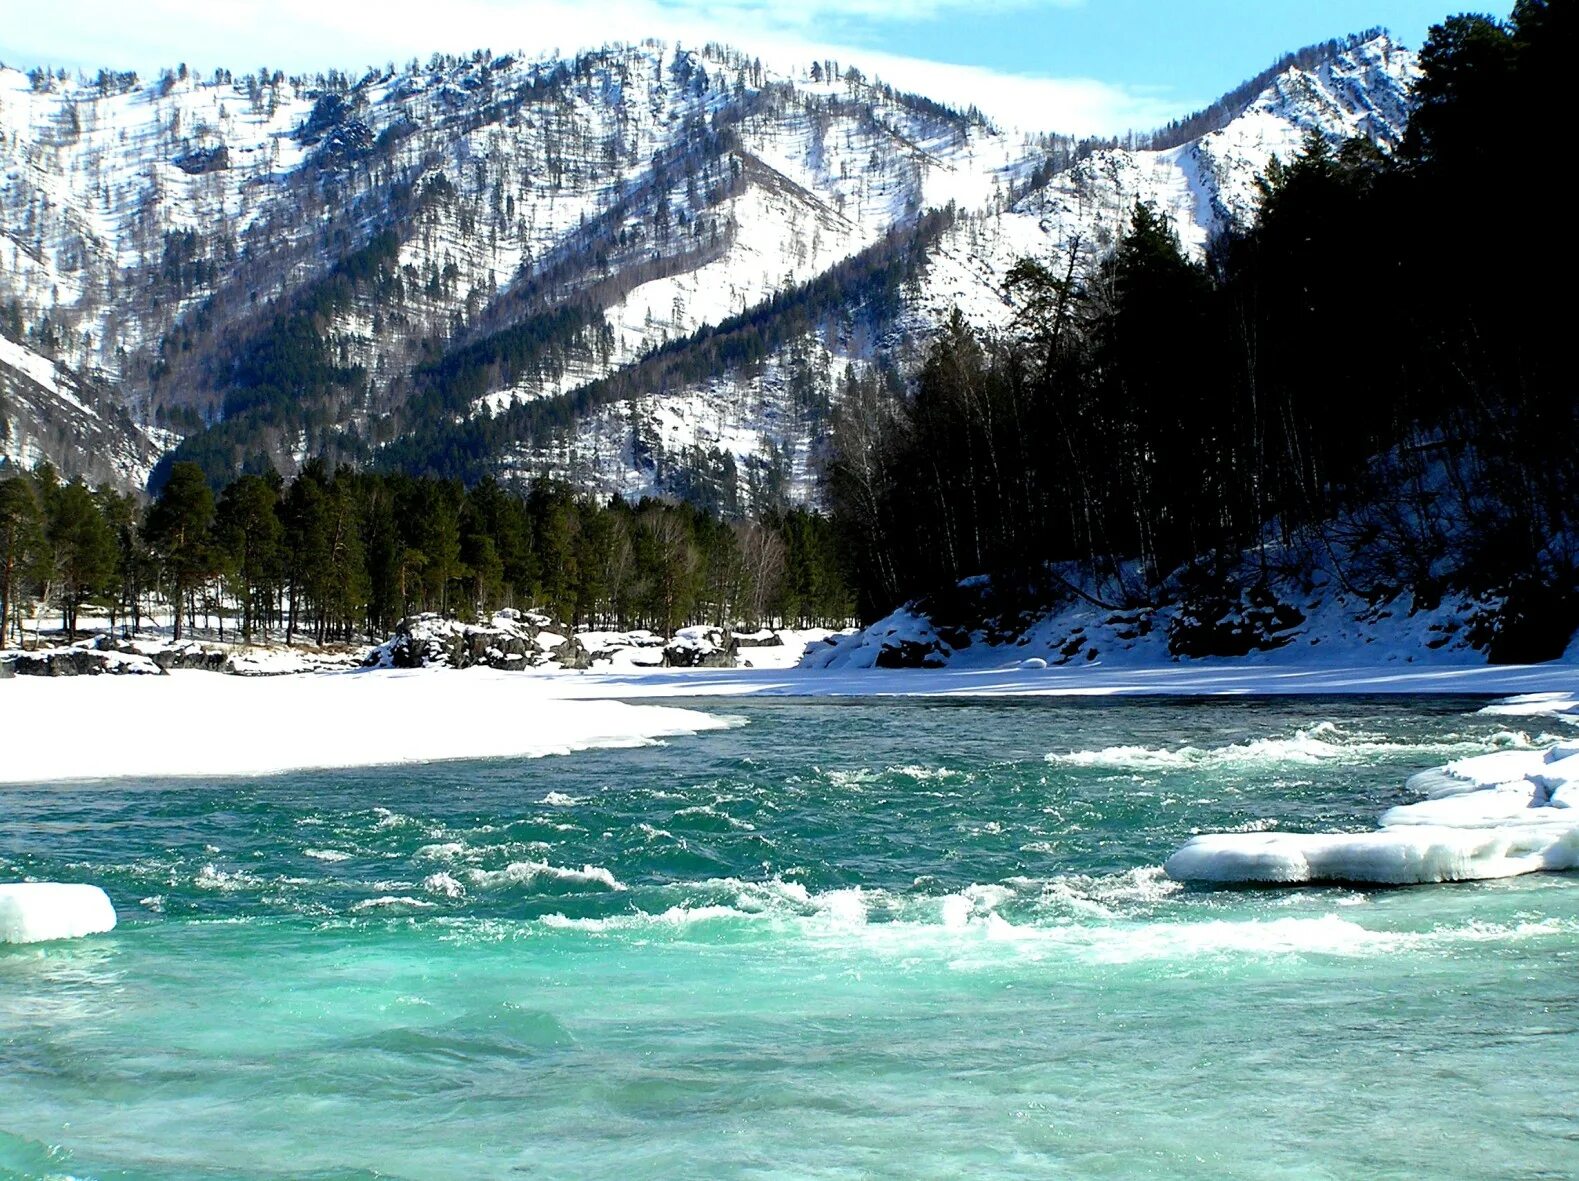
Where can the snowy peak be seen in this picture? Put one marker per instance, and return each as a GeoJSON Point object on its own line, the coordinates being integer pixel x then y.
{"type": "Point", "coordinates": [1208, 183]}
{"type": "Point", "coordinates": [1203, 184]}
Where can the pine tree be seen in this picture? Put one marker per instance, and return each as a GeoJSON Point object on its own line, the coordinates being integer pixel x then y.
{"type": "Point", "coordinates": [23, 545]}
{"type": "Point", "coordinates": [84, 551]}
{"type": "Point", "coordinates": [304, 515]}
{"type": "Point", "coordinates": [177, 529]}
{"type": "Point", "coordinates": [249, 536]}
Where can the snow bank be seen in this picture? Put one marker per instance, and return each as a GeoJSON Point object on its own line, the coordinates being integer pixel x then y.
{"type": "Point", "coordinates": [1492, 816]}
{"type": "Point", "coordinates": [904, 639]}
{"type": "Point", "coordinates": [191, 723]}
{"type": "Point", "coordinates": [35, 912]}
{"type": "Point", "coordinates": [1563, 705]}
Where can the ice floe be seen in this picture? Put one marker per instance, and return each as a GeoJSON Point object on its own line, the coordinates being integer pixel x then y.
{"type": "Point", "coordinates": [1491, 816]}
{"type": "Point", "coordinates": [37, 912]}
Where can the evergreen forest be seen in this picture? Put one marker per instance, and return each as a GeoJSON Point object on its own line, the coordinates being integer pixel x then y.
{"type": "Point", "coordinates": [1374, 373]}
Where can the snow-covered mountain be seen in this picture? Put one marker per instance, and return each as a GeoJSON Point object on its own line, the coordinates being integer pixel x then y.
{"type": "Point", "coordinates": [48, 413]}
{"type": "Point", "coordinates": [646, 268]}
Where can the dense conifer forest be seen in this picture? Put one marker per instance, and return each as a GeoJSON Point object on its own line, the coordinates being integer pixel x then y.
{"type": "Point", "coordinates": [1365, 372]}
{"type": "Point", "coordinates": [344, 555]}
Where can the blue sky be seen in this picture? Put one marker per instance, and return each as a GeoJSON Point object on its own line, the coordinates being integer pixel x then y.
{"type": "Point", "coordinates": [1199, 48]}
{"type": "Point", "coordinates": [1071, 65]}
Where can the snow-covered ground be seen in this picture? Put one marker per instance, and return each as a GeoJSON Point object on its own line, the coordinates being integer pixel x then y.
{"type": "Point", "coordinates": [195, 723]}
{"type": "Point", "coordinates": [185, 723]}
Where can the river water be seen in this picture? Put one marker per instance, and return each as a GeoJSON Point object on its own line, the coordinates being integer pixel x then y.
{"type": "Point", "coordinates": [906, 939]}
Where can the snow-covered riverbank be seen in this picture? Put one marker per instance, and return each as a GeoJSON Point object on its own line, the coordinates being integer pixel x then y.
{"type": "Point", "coordinates": [197, 723]}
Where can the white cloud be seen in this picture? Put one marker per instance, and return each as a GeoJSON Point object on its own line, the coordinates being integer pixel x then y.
{"type": "Point", "coordinates": [298, 35]}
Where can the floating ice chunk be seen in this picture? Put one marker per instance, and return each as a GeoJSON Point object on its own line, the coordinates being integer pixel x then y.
{"type": "Point", "coordinates": [1493, 816]}
{"type": "Point", "coordinates": [1391, 856]}
{"type": "Point", "coordinates": [35, 912]}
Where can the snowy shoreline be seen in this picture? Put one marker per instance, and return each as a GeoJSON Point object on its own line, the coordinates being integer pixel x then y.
{"type": "Point", "coordinates": [202, 724]}
{"type": "Point", "coordinates": [197, 723]}
{"type": "Point", "coordinates": [1224, 678]}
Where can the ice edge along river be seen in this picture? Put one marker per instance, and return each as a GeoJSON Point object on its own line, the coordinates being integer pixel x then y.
{"type": "Point", "coordinates": [197, 723]}
{"type": "Point", "coordinates": [1495, 816]}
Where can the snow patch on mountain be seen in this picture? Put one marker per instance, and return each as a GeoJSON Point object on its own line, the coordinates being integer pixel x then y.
{"type": "Point", "coordinates": [49, 413]}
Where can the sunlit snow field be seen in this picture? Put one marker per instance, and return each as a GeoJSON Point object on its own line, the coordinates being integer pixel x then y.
{"type": "Point", "coordinates": [846, 939]}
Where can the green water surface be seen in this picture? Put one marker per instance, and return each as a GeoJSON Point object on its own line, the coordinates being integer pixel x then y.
{"type": "Point", "coordinates": [876, 939]}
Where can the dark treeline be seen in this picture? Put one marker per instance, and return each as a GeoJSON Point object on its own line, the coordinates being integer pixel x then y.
{"type": "Point", "coordinates": [1374, 369]}
{"type": "Point", "coordinates": [333, 556]}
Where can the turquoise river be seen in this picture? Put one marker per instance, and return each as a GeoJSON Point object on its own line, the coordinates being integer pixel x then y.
{"type": "Point", "coordinates": [897, 939]}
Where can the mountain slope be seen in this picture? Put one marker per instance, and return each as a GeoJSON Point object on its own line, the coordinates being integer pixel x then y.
{"type": "Point", "coordinates": [464, 266]}
{"type": "Point", "coordinates": [48, 413]}
{"type": "Point", "coordinates": [1204, 185]}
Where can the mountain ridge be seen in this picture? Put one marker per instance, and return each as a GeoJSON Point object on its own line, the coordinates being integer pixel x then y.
{"type": "Point", "coordinates": [249, 297]}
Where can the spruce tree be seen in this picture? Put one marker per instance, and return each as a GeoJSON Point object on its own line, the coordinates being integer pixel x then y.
{"type": "Point", "coordinates": [84, 551]}
{"type": "Point", "coordinates": [23, 546]}
{"type": "Point", "coordinates": [177, 529]}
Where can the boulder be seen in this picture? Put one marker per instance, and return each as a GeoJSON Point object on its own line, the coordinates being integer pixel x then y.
{"type": "Point", "coordinates": [511, 641]}
{"type": "Point", "coordinates": [700, 647]}
{"type": "Point", "coordinates": [572, 654]}
{"type": "Point", "coordinates": [191, 657]}
{"type": "Point", "coordinates": [897, 653]}
{"type": "Point", "coordinates": [762, 639]}
{"type": "Point", "coordinates": [61, 662]}
{"type": "Point", "coordinates": [1213, 624]}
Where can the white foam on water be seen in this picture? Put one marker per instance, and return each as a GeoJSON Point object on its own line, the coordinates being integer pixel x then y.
{"type": "Point", "coordinates": [211, 877]}
{"type": "Point", "coordinates": [926, 774]}
{"type": "Point", "coordinates": [39, 912]}
{"type": "Point", "coordinates": [1321, 743]}
{"type": "Point", "coordinates": [1106, 897]}
{"type": "Point", "coordinates": [964, 930]}
{"type": "Point", "coordinates": [443, 883]}
{"type": "Point", "coordinates": [443, 851]}
{"type": "Point", "coordinates": [523, 873]}
{"type": "Point", "coordinates": [715, 813]}
{"type": "Point", "coordinates": [401, 901]}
